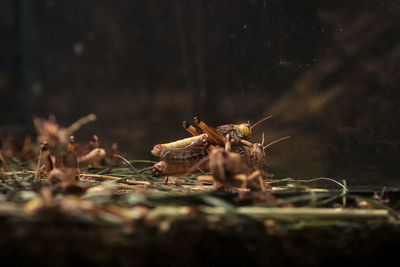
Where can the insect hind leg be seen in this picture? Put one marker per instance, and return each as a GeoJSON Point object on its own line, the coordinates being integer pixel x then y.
{"type": "Point", "coordinates": [213, 134]}
{"type": "Point", "coordinates": [191, 129]}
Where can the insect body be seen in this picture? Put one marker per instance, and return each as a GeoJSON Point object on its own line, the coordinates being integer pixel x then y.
{"type": "Point", "coordinates": [236, 131]}
{"type": "Point", "coordinates": [179, 160]}
{"type": "Point", "coordinates": [177, 155]}
{"type": "Point", "coordinates": [158, 149]}
{"type": "Point", "coordinates": [194, 152]}
{"type": "Point", "coordinates": [239, 133]}
{"type": "Point", "coordinates": [229, 170]}
{"type": "Point", "coordinates": [256, 157]}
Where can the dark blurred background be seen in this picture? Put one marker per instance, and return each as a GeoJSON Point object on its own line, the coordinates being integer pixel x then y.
{"type": "Point", "coordinates": [328, 72]}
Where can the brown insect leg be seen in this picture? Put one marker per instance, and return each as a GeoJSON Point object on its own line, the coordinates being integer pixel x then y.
{"type": "Point", "coordinates": [48, 163]}
{"type": "Point", "coordinates": [213, 134]}
{"type": "Point", "coordinates": [246, 143]}
{"type": "Point", "coordinates": [191, 129]}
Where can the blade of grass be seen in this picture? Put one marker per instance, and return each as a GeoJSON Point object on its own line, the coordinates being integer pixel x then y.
{"type": "Point", "coordinates": [6, 186]}
{"type": "Point", "coordinates": [127, 162]}
{"type": "Point", "coordinates": [344, 193]}
{"type": "Point", "coordinates": [217, 202]}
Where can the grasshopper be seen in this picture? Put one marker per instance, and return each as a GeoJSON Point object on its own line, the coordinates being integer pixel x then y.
{"type": "Point", "coordinates": [238, 134]}
{"type": "Point", "coordinates": [179, 160]}
{"type": "Point", "coordinates": [230, 170]}
{"type": "Point", "coordinates": [256, 158]}
{"type": "Point", "coordinates": [187, 154]}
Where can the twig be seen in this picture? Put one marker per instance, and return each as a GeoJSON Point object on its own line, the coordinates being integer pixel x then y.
{"type": "Point", "coordinates": [18, 172]}
{"type": "Point", "coordinates": [109, 177]}
{"type": "Point", "coordinates": [328, 213]}
{"type": "Point", "coordinates": [344, 187]}
{"type": "Point", "coordinates": [143, 161]}
{"type": "Point", "coordinates": [88, 175]}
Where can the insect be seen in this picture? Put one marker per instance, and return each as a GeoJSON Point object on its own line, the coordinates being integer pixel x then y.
{"type": "Point", "coordinates": [66, 169]}
{"type": "Point", "coordinates": [224, 151]}
{"type": "Point", "coordinates": [179, 160]}
{"type": "Point", "coordinates": [49, 131]}
{"type": "Point", "coordinates": [165, 168]}
{"type": "Point", "coordinates": [160, 149]}
{"type": "Point", "coordinates": [238, 134]}
{"type": "Point", "coordinates": [256, 158]}
{"type": "Point", "coordinates": [64, 172]}
{"type": "Point", "coordinates": [229, 170]}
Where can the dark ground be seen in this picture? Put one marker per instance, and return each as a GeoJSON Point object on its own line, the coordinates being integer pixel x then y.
{"type": "Point", "coordinates": [107, 245]}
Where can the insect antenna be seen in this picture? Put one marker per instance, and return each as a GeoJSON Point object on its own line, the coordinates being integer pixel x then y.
{"type": "Point", "coordinates": [276, 141]}
{"type": "Point", "coordinates": [260, 121]}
